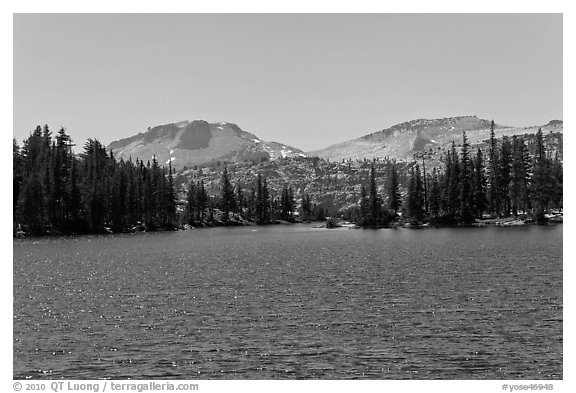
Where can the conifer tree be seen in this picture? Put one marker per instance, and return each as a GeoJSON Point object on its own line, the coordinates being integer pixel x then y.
{"type": "Point", "coordinates": [479, 185]}
{"type": "Point", "coordinates": [203, 200]}
{"type": "Point", "coordinates": [557, 175]}
{"type": "Point", "coordinates": [493, 180]}
{"type": "Point", "coordinates": [415, 203]}
{"type": "Point", "coordinates": [466, 215]}
{"type": "Point", "coordinates": [259, 201]}
{"type": "Point", "coordinates": [240, 200]}
{"type": "Point", "coordinates": [519, 176]}
{"type": "Point", "coordinates": [454, 176]}
{"type": "Point", "coordinates": [374, 201]}
{"type": "Point", "coordinates": [285, 205]}
{"type": "Point", "coordinates": [291, 203]}
{"type": "Point", "coordinates": [228, 202]}
{"type": "Point", "coordinates": [540, 177]}
{"type": "Point", "coordinates": [394, 196]}
{"type": "Point", "coordinates": [263, 203]}
{"type": "Point", "coordinates": [266, 202]}
{"type": "Point", "coordinates": [192, 204]}
{"type": "Point", "coordinates": [504, 176]}
{"type": "Point", "coordinates": [16, 177]}
{"type": "Point", "coordinates": [170, 198]}
{"type": "Point", "coordinates": [306, 207]}
{"type": "Point", "coordinates": [434, 195]}
{"type": "Point", "coordinates": [364, 208]}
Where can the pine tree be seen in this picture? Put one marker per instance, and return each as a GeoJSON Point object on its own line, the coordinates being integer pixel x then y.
{"type": "Point", "coordinates": [31, 204]}
{"type": "Point", "coordinates": [466, 215]}
{"type": "Point", "coordinates": [364, 208]}
{"type": "Point", "coordinates": [493, 180]}
{"type": "Point", "coordinates": [192, 204]}
{"type": "Point", "coordinates": [434, 195]}
{"type": "Point", "coordinates": [306, 207]}
{"type": "Point", "coordinates": [394, 196]}
{"type": "Point", "coordinates": [557, 175]}
{"type": "Point", "coordinates": [291, 203]}
{"type": "Point", "coordinates": [259, 201]}
{"type": "Point", "coordinates": [170, 198]}
{"type": "Point", "coordinates": [17, 176]}
{"type": "Point", "coordinates": [540, 178]}
{"type": "Point", "coordinates": [75, 198]}
{"type": "Point", "coordinates": [240, 200]}
{"type": "Point", "coordinates": [203, 200]}
{"type": "Point", "coordinates": [479, 202]}
{"type": "Point", "coordinates": [285, 206]}
{"type": "Point", "coordinates": [266, 202]}
{"type": "Point", "coordinates": [453, 187]}
{"type": "Point", "coordinates": [252, 205]}
{"type": "Point", "coordinates": [263, 203]}
{"type": "Point", "coordinates": [504, 176]}
{"type": "Point", "coordinates": [415, 203]}
{"type": "Point", "coordinates": [374, 201]}
{"type": "Point", "coordinates": [519, 176]}
{"type": "Point", "coordinates": [228, 201]}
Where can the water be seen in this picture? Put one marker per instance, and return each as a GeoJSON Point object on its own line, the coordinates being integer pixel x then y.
{"type": "Point", "coordinates": [291, 302]}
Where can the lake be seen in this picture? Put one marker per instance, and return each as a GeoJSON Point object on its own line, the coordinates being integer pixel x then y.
{"type": "Point", "coordinates": [286, 302]}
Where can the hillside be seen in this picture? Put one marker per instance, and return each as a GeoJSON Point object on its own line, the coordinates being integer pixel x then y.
{"type": "Point", "coordinates": [187, 144]}
{"type": "Point", "coordinates": [404, 140]}
{"type": "Point", "coordinates": [336, 184]}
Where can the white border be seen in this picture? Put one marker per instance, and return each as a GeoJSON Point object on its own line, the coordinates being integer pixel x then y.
{"type": "Point", "coordinates": [302, 6]}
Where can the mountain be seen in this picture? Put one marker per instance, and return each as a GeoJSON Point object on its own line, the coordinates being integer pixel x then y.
{"type": "Point", "coordinates": [199, 142]}
{"type": "Point", "coordinates": [189, 144]}
{"type": "Point", "coordinates": [403, 140]}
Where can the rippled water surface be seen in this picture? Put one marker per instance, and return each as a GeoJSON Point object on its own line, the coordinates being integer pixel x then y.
{"type": "Point", "coordinates": [291, 302]}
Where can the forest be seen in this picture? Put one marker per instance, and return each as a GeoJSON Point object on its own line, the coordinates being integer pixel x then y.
{"type": "Point", "coordinates": [510, 181]}
{"type": "Point", "coordinates": [56, 191]}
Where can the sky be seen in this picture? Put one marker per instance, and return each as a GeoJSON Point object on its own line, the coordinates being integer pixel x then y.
{"type": "Point", "coordinates": [307, 80]}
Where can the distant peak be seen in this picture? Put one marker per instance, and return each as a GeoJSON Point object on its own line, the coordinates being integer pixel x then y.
{"type": "Point", "coordinates": [555, 123]}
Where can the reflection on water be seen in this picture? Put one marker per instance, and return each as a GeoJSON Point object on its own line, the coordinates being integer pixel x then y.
{"type": "Point", "coordinates": [291, 302]}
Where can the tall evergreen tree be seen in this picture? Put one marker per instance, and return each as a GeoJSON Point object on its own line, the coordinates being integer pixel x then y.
{"type": "Point", "coordinates": [519, 176]}
{"type": "Point", "coordinates": [466, 215]}
{"type": "Point", "coordinates": [374, 201]}
{"type": "Point", "coordinates": [266, 202]}
{"type": "Point", "coordinates": [453, 191]}
{"type": "Point", "coordinates": [479, 202]}
{"type": "Point", "coordinates": [306, 207]}
{"type": "Point", "coordinates": [228, 201]}
{"type": "Point", "coordinates": [504, 176]}
{"type": "Point", "coordinates": [240, 200]}
{"type": "Point", "coordinates": [394, 196]}
{"type": "Point", "coordinates": [557, 175]}
{"type": "Point", "coordinates": [203, 200]}
{"type": "Point", "coordinates": [263, 202]}
{"type": "Point", "coordinates": [17, 176]}
{"type": "Point", "coordinates": [285, 205]}
{"type": "Point", "coordinates": [493, 180]}
{"type": "Point", "coordinates": [170, 198]}
{"type": "Point", "coordinates": [540, 177]}
{"type": "Point", "coordinates": [434, 196]}
{"type": "Point", "coordinates": [364, 208]}
{"type": "Point", "coordinates": [415, 203]}
{"type": "Point", "coordinates": [192, 204]}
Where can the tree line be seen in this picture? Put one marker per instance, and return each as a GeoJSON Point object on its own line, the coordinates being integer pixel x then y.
{"type": "Point", "coordinates": [516, 179]}
{"type": "Point", "coordinates": [256, 204]}
{"type": "Point", "coordinates": [57, 191]}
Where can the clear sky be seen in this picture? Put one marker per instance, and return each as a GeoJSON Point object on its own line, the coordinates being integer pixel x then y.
{"type": "Point", "coordinates": [308, 80]}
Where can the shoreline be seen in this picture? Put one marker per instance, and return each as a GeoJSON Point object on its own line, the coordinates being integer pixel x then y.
{"type": "Point", "coordinates": [551, 220]}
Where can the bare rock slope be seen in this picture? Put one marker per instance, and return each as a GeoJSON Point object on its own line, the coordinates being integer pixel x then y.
{"type": "Point", "coordinates": [403, 140]}
{"type": "Point", "coordinates": [199, 142]}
